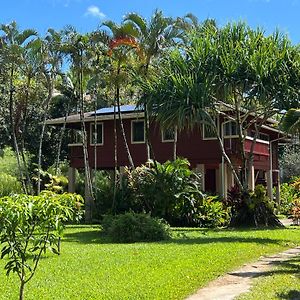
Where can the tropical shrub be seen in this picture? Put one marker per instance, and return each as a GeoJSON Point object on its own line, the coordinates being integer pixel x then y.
{"type": "Point", "coordinates": [54, 183]}
{"type": "Point", "coordinates": [132, 227]}
{"type": "Point", "coordinates": [287, 195]}
{"type": "Point", "coordinates": [166, 190]}
{"type": "Point", "coordinates": [9, 185]}
{"type": "Point", "coordinates": [252, 209]}
{"type": "Point", "coordinates": [29, 226]}
{"type": "Point", "coordinates": [295, 211]}
{"type": "Point", "coordinates": [213, 213]}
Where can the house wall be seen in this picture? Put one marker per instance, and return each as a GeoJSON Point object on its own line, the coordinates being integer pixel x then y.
{"type": "Point", "coordinates": [189, 145]}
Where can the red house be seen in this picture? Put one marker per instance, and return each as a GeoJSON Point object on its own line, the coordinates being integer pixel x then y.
{"type": "Point", "coordinates": [199, 146]}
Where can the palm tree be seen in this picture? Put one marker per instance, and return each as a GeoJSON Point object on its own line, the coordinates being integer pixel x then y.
{"type": "Point", "coordinates": [75, 45]}
{"type": "Point", "coordinates": [121, 41]}
{"type": "Point", "coordinates": [50, 57]}
{"type": "Point", "coordinates": [154, 38]}
{"type": "Point", "coordinates": [291, 122]}
{"type": "Point", "coordinates": [14, 44]}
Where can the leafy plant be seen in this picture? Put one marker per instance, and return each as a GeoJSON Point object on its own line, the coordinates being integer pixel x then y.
{"type": "Point", "coordinates": [132, 227]}
{"type": "Point", "coordinates": [253, 209]}
{"type": "Point", "coordinates": [55, 183]}
{"type": "Point", "coordinates": [166, 190]}
{"type": "Point", "coordinates": [30, 225]}
{"type": "Point", "coordinates": [9, 185]}
{"type": "Point", "coordinates": [295, 211]}
{"type": "Point", "coordinates": [287, 195]}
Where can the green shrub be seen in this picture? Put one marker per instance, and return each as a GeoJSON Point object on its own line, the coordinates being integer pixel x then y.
{"type": "Point", "coordinates": [9, 185]}
{"type": "Point", "coordinates": [213, 213]}
{"type": "Point", "coordinates": [132, 227]}
{"type": "Point", "coordinates": [9, 164]}
{"type": "Point", "coordinates": [253, 209]}
{"type": "Point", "coordinates": [287, 195]}
{"type": "Point", "coordinates": [166, 190]}
{"type": "Point", "coordinates": [54, 183]}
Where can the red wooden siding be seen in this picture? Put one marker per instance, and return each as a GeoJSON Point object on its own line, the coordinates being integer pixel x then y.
{"type": "Point", "coordinates": [189, 145]}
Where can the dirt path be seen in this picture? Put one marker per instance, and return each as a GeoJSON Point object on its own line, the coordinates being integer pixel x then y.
{"type": "Point", "coordinates": [235, 283]}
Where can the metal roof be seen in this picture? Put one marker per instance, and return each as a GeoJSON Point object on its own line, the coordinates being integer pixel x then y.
{"type": "Point", "coordinates": [123, 108]}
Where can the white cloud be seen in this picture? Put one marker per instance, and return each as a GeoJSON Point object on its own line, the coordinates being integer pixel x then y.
{"type": "Point", "coordinates": [94, 11]}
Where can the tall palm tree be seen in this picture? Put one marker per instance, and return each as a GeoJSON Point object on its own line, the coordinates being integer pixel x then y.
{"type": "Point", "coordinates": [50, 56]}
{"type": "Point", "coordinates": [122, 40]}
{"type": "Point", "coordinates": [75, 45]}
{"type": "Point", "coordinates": [14, 44]}
{"type": "Point", "coordinates": [154, 37]}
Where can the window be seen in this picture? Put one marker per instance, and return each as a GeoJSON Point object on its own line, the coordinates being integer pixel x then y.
{"type": "Point", "coordinates": [230, 129]}
{"type": "Point", "coordinates": [209, 131]}
{"type": "Point", "coordinates": [168, 135]}
{"type": "Point", "coordinates": [137, 131]}
{"type": "Point", "coordinates": [76, 137]}
{"type": "Point", "coordinates": [97, 135]}
{"type": "Point", "coordinates": [260, 136]}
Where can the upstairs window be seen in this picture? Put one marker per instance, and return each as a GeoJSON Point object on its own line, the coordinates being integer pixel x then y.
{"type": "Point", "coordinates": [137, 131]}
{"type": "Point", "coordinates": [76, 137]}
{"type": "Point", "coordinates": [97, 134]}
{"type": "Point", "coordinates": [230, 129]}
{"type": "Point", "coordinates": [168, 135]}
{"type": "Point", "coordinates": [260, 136]}
{"type": "Point", "coordinates": [209, 132]}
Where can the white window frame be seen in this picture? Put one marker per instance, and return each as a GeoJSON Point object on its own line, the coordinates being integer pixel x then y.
{"type": "Point", "coordinates": [138, 142]}
{"type": "Point", "coordinates": [231, 135]}
{"type": "Point", "coordinates": [257, 140]}
{"type": "Point", "coordinates": [91, 133]}
{"type": "Point", "coordinates": [75, 144]}
{"type": "Point", "coordinates": [167, 140]}
{"type": "Point", "coordinates": [210, 138]}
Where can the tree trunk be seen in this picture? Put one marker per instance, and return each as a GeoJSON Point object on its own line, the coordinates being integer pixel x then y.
{"type": "Point", "coordinates": [89, 202]}
{"type": "Point", "coordinates": [123, 131]}
{"type": "Point", "coordinates": [175, 144]}
{"type": "Point", "coordinates": [120, 117]}
{"type": "Point", "coordinates": [49, 97]}
{"type": "Point", "coordinates": [21, 290]}
{"type": "Point", "coordinates": [115, 158]}
{"type": "Point", "coordinates": [13, 129]}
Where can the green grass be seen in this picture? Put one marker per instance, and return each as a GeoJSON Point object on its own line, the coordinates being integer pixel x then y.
{"type": "Point", "coordinates": [91, 268]}
{"type": "Point", "coordinates": [281, 283]}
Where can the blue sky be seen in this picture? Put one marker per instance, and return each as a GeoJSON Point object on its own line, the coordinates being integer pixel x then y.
{"type": "Point", "coordinates": [86, 15]}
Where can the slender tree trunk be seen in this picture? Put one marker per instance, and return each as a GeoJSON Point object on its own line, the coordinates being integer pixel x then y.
{"type": "Point", "coordinates": [115, 158]}
{"type": "Point", "coordinates": [50, 94]}
{"type": "Point", "coordinates": [60, 141]}
{"type": "Point", "coordinates": [123, 131]}
{"type": "Point", "coordinates": [121, 120]}
{"type": "Point", "coordinates": [84, 143]}
{"type": "Point", "coordinates": [175, 144]}
{"type": "Point", "coordinates": [13, 128]}
{"type": "Point", "coordinates": [22, 150]}
{"type": "Point", "coordinates": [95, 150]}
{"type": "Point", "coordinates": [21, 291]}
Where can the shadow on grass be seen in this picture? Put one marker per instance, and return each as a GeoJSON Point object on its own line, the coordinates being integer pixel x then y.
{"type": "Point", "coordinates": [290, 295]}
{"type": "Point", "coordinates": [97, 237]}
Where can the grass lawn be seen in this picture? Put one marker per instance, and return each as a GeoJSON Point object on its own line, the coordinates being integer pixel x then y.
{"type": "Point", "coordinates": [91, 268]}
{"type": "Point", "coordinates": [280, 283]}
